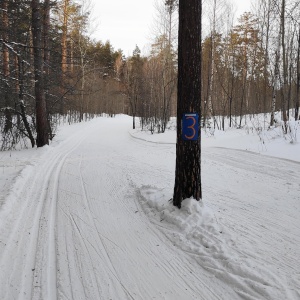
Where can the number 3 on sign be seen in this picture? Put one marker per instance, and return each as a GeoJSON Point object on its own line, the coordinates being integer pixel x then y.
{"type": "Point", "coordinates": [190, 127]}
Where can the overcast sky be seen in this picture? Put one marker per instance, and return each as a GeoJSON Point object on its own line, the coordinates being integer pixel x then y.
{"type": "Point", "coordinates": [127, 23]}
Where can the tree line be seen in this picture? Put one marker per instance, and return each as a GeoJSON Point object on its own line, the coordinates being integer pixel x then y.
{"type": "Point", "coordinates": [51, 69]}
{"type": "Point", "coordinates": [249, 67]}
{"type": "Point", "coordinates": [253, 67]}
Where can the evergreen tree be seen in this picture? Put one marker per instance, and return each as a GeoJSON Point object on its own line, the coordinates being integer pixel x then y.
{"type": "Point", "coordinates": [188, 152]}
{"type": "Point", "coordinates": [41, 113]}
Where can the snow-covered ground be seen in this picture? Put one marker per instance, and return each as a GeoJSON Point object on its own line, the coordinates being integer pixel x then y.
{"type": "Point", "coordinates": [89, 217]}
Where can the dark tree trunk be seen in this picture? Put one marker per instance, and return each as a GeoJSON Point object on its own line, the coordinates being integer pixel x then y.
{"type": "Point", "coordinates": [298, 80]}
{"type": "Point", "coordinates": [46, 28]}
{"type": "Point", "coordinates": [64, 54]}
{"type": "Point", "coordinates": [64, 51]}
{"type": "Point", "coordinates": [21, 101]}
{"type": "Point", "coordinates": [188, 153]}
{"type": "Point", "coordinates": [5, 56]}
{"type": "Point", "coordinates": [41, 112]}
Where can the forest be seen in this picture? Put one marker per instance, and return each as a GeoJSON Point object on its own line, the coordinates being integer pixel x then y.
{"type": "Point", "coordinates": [52, 71]}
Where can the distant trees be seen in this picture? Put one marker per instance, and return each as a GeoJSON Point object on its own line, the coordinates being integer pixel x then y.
{"type": "Point", "coordinates": [132, 81]}
{"type": "Point", "coordinates": [238, 60]}
{"type": "Point", "coordinates": [254, 67]}
{"type": "Point", "coordinates": [249, 67]}
{"type": "Point", "coordinates": [51, 70]}
{"type": "Point", "coordinates": [150, 82]}
{"type": "Point", "coordinates": [161, 79]}
{"type": "Point", "coordinates": [159, 73]}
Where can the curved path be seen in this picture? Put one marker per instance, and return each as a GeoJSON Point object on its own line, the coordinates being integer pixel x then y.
{"type": "Point", "coordinates": [75, 229]}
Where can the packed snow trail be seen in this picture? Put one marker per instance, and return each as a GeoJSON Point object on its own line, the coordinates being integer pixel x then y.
{"type": "Point", "coordinates": [75, 225]}
{"type": "Point", "coordinates": [257, 200]}
{"type": "Point", "coordinates": [75, 229]}
{"type": "Point", "coordinates": [246, 230]}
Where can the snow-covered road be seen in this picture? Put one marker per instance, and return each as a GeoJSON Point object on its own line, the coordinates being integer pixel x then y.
{"type": "Point", "coordinates": [78, 224]}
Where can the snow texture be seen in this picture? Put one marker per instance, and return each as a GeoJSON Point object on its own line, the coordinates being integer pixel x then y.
{"type": "Point", "coordinates": [90, 217]}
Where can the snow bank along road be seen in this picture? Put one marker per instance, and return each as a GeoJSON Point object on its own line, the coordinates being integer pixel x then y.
{"type": "Point", "coordinates": [75, 224]}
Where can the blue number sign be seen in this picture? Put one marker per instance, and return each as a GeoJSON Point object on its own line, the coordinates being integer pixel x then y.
{"type": "Point", "coordinates": [190, 127]}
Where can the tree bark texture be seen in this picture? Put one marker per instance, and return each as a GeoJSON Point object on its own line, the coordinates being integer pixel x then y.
{"type": "Point", "coordinates": [64, 52]}
{"type": "Point", "coordinates": [297, 102]}
{"type": "Point", "coordinates": [6, 73]}
{"type": "Point", "coordinates": [41, 112]}
{"type": "Point", "coordinates": [21, 100]}
{"type": "Point", "coordinates": [64, 49]}
{"type": "Point", "coordinates": [188, 153]}
{"type": "Point", "coordinates": [46, 30]}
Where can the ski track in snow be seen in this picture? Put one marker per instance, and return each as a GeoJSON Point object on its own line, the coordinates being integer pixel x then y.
{"type": "Point", "coordinates": [83, 222]}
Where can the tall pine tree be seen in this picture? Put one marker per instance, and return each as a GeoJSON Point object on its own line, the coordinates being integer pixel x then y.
{"type": "Point", "coordinates": [41, 111]}
{"type": "Point", "coordinates": [188, 152]}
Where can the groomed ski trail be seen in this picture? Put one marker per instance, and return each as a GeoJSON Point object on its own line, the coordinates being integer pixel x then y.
{"type": "Point", "coordinates": [76, 230]}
